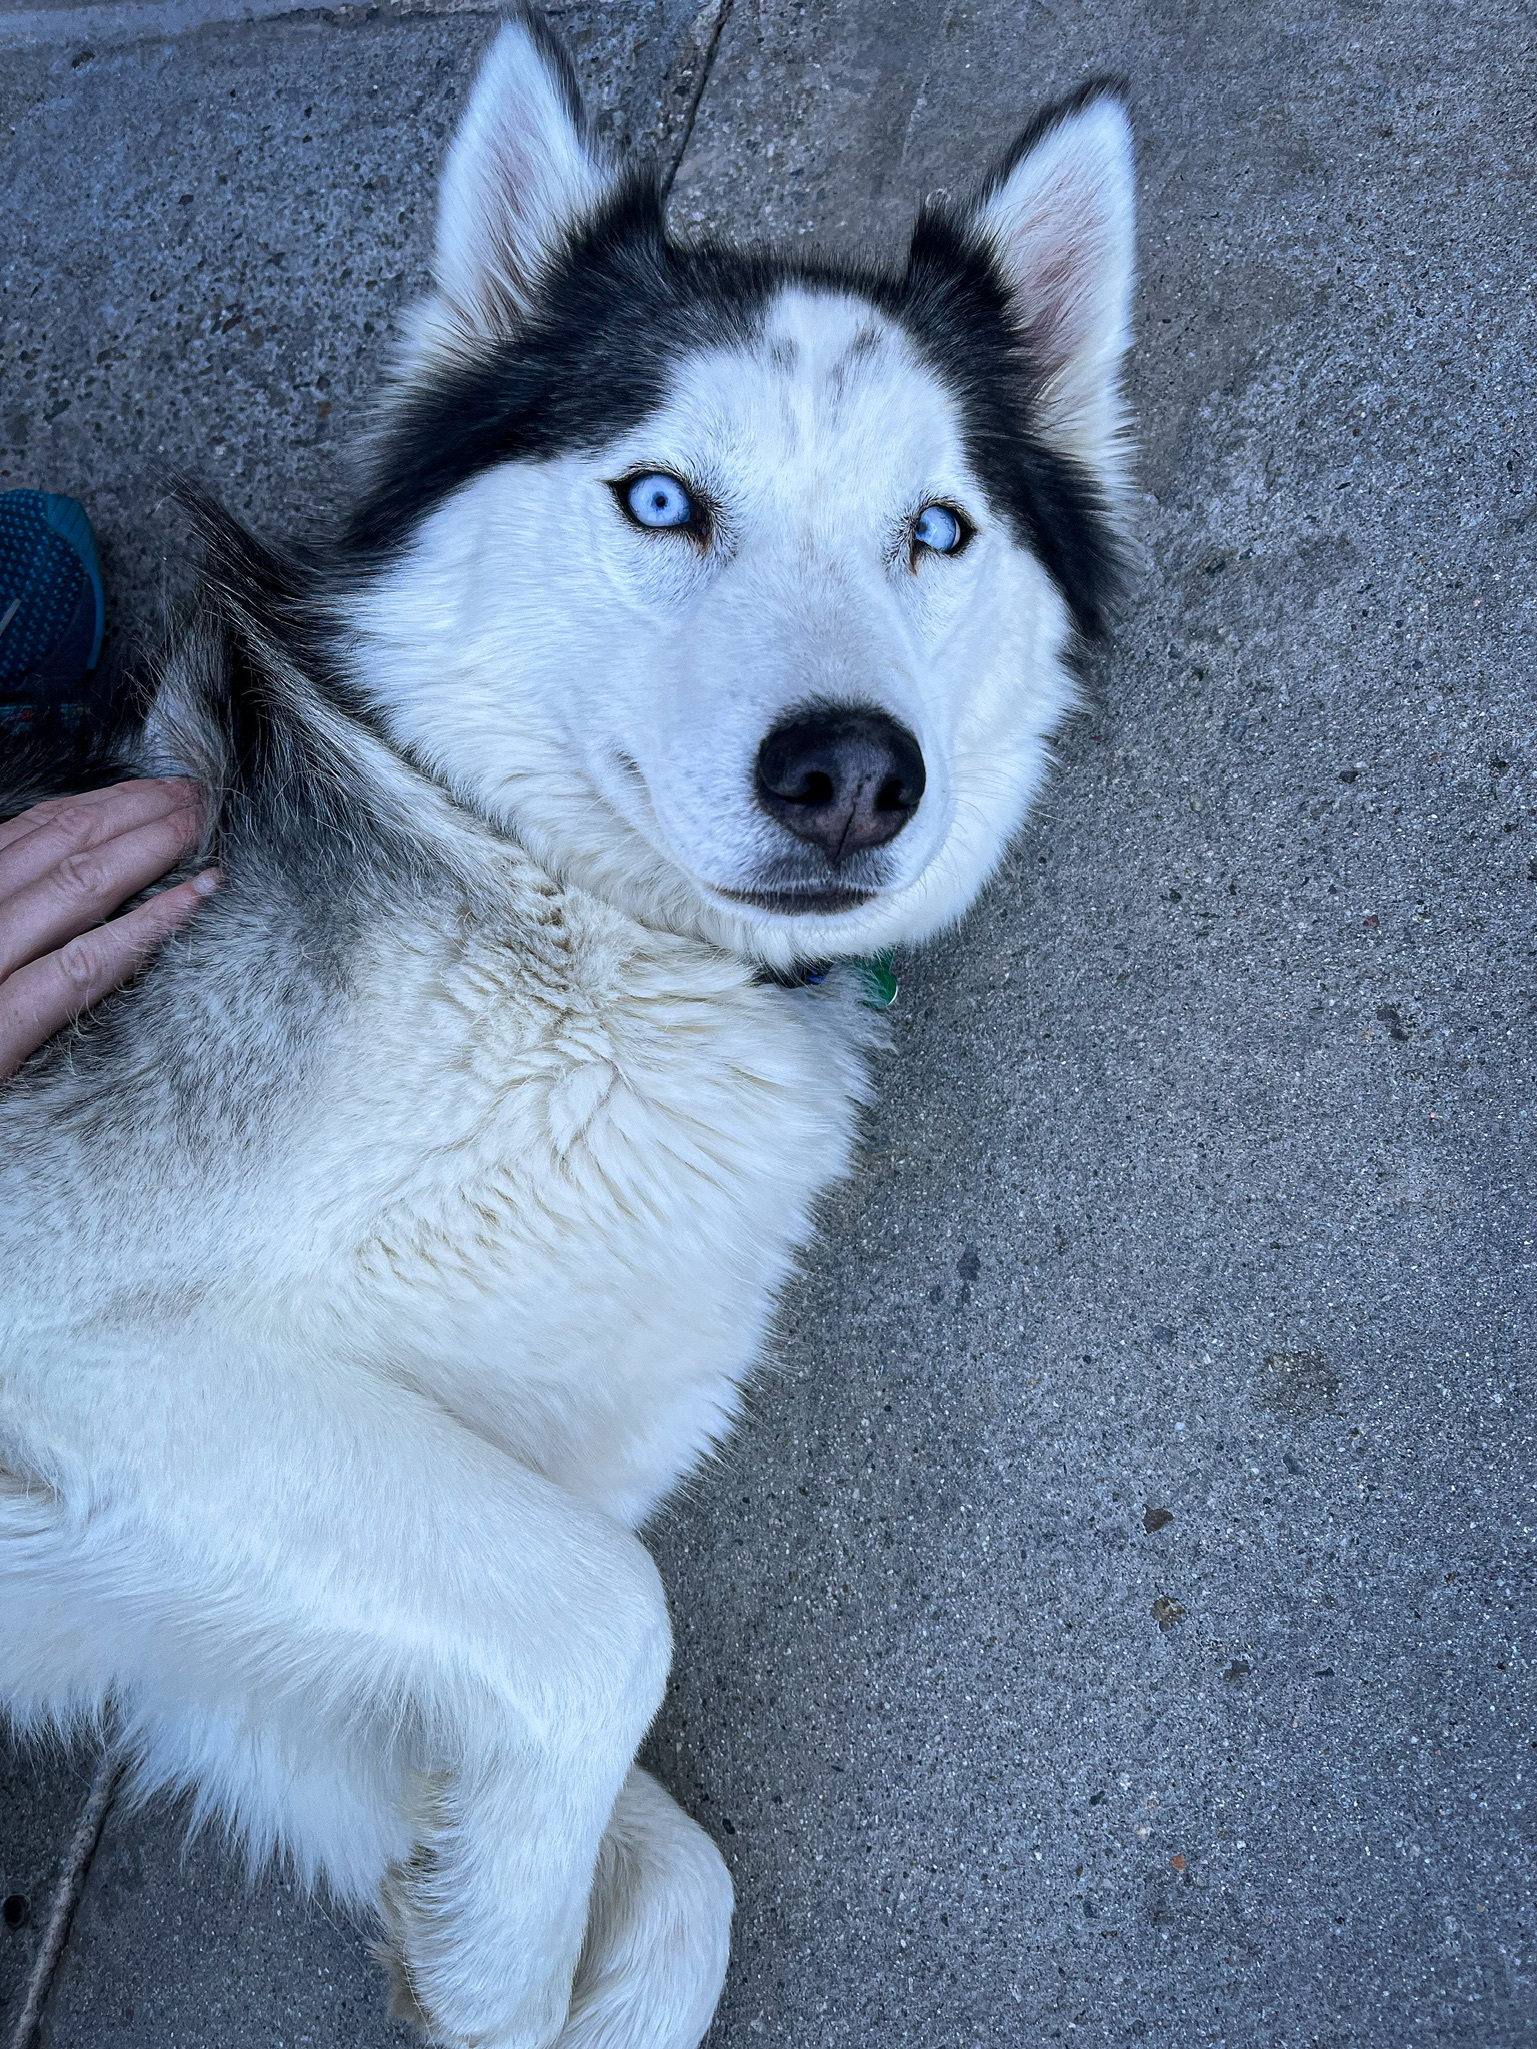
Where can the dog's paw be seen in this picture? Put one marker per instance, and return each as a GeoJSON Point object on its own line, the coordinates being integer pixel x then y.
{"type": "Point", "coordinates": [389, 1951]}
{"type": "Point", "coordinates": [448, 2012]}
{"type": "Point", "coordinates": [404, 2004]}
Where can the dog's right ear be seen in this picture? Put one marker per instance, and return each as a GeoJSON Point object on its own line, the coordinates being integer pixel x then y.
{"type": "Point", "coordinates": [521, 174]}
{"type": "Point", "coordinates": [1057, 220]}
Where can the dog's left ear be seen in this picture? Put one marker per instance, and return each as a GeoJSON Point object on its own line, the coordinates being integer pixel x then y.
{"type": "Point", "coordinates": [521, 175]}
{"type": "Point", "coordinates": [1057, 220]}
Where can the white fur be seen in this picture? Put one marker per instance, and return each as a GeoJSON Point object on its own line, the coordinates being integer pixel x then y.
{"type": "Point", "coordinates": [518, 173]}
{"type": "Point", "coordinates": [324, 1436]}
{"type": "Point", "coordinates": [326, 1464]}
{"type": "Point", "coordinates": [1061, 224]}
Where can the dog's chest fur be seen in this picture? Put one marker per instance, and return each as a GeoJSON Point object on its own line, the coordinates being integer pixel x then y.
{"type": "Point", "coordinates": [552, 1170]}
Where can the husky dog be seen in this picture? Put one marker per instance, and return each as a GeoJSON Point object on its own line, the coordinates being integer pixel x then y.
{"type": "Point", "coordinates": [376, 1265]}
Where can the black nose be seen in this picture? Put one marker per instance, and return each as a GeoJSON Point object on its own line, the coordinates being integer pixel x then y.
{"type": "Point", "coordinates": [844, 779]}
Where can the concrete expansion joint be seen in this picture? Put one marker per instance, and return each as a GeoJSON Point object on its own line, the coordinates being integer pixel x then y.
{"type": "Point", "coordinates": [74, 1869]}
{"type": "Point", "coordinates": [683, 90]}
{"type": "Point", "coordinates": [137, 21]}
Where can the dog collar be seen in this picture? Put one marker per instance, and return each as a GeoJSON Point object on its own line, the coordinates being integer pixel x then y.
{"type": "Point", "coordinates": [877, 982]}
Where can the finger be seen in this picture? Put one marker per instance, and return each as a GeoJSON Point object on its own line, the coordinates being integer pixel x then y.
{"type": "Point", "coordinates": [161, 790]}
{"type": "Point", "coordinates": [30, 844]}
{"type": "Point", "coordinates": [40, 999]}
{"type": "Point", "coordinates": [83, 888]}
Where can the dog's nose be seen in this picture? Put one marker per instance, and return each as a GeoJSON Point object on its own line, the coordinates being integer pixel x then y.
{"type": "Point", "coordinates": [845, 779]}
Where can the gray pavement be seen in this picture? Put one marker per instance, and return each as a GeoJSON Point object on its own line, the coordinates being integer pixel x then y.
{"type": "Point", "coordinates": [1113, 1624]}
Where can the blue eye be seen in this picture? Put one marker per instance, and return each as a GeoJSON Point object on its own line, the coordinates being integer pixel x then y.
{"type": "Point", "coordinates": [938, 529]}
{"type": "Point", "coordinates": [658, 500]}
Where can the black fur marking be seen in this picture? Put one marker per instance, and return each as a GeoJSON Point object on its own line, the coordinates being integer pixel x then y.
{"type": "Point", "coordinates": [955, 305]}
{"type": "Point", "coordinates": [1107, 85]}
{"type": "Point", "coordinates": [624, 304]}
{"type": "Point", "coordinates": [558, 59]}
{"type": "Point", "coordinates": [253, 702]}
{"type": "Point", "coordinates": [622, 307]}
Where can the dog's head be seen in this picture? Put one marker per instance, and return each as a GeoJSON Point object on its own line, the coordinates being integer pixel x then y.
{"type": "Point", "coordinates": [739, 587]}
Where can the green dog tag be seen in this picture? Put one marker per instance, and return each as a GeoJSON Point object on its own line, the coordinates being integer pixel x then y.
{"type": "Point", "coordinates": [880, 984]}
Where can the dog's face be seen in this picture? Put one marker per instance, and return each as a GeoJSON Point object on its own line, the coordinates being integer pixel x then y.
{"type": "Point", "coordinates": [739, 589]}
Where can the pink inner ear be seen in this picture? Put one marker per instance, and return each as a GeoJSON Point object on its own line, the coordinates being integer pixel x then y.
{"type": "Point", "coordinates": [1057, 257]}
{"type": "Point", "coordinates": [513, 210]}
{"type": "Point", "coordinates": [518, 175]}
{"type": "Point", "coordinates": [1061, 224]}
{"type": "Point", "coordinates": [518, 214]}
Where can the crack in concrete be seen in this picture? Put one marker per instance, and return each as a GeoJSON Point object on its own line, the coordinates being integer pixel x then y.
{"type": "Point", "coordinates": [66, 1897]}
{"type": "Point", "coordinates": [688, 78]}
{"type": "Point", "coordinates": [135, 21]}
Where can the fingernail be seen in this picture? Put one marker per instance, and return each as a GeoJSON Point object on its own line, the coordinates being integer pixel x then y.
{"type": "Point", "coordinates": [208, 881]}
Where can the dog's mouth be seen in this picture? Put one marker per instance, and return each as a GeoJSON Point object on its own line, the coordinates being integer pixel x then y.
{"type": "Point", "coordinates": [794, 886]}
{"type": "Point", "coordinates": [801, 903]}
{"type": "Point", "coordinates": [785, 888]}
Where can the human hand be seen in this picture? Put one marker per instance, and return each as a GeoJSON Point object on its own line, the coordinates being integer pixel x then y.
{"type": "Point", "coordinates": [65, 866]}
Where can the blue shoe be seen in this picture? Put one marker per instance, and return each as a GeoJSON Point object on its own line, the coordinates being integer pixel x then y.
{"type": "Point", "coordinates": [52, 610]}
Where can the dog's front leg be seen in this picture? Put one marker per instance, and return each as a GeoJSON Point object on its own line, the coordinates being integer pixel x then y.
{"type": "Point", "coordinates": [529, 1742]}
{"type": "Point", "coordinates": [370, 1636]}
{"type": "Point", "coordinates": [658, 1929]}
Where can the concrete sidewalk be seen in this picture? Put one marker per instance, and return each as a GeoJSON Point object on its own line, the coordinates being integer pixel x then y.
{"type": "Point", "coordinates": [1114, 1624]}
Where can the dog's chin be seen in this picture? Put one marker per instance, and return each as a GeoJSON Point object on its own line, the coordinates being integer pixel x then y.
{"type": "Point", "coordinates": [801, 903]}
